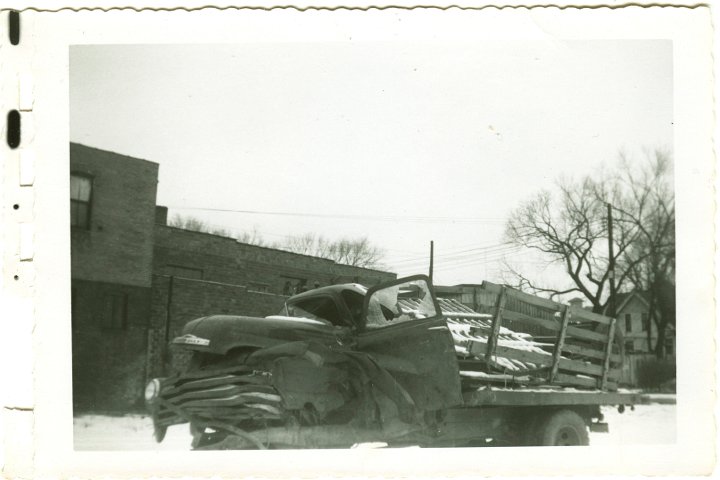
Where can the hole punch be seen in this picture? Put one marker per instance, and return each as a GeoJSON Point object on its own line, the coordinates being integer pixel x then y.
{"type": "Point", "coordinates": [13, 129]}
{"type": "Point", "coordinates": [16, 277]}
{"type": "Point", "coordinates": [14, 27]}
{"type": "Point", "coordinates": [16, 206]}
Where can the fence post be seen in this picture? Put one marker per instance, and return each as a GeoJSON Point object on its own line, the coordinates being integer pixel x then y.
{"type": "Point", "coordinates": [496, 322]}
{"type": "Point", "coordinates": [608, 353]}
{"type": "Point", "coordinates": [559, 344]}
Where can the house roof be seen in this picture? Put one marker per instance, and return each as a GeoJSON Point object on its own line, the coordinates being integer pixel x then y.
{"type": "Point", "coordinates": [622, 299]}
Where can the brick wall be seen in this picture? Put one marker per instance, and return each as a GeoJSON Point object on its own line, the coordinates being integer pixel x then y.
{"type": "Point", "coordinates": [108, 361]}
{"type": "Point", "coordinates": [225, 260]}
{"type": "Point", "coordinates": [191, 299]}
{"type": "Point", "coordinates": [118, 245]}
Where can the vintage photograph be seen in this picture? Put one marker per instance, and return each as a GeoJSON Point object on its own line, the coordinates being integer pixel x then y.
{"type": "Point", "coordinates": [372, 244]}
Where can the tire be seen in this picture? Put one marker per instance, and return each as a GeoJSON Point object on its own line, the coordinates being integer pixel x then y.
{"type": "Point", "coordinates": [562, 428]}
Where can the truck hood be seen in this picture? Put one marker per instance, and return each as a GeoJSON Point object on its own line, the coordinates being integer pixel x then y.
{"type": "Point", "coordinates": [221, 333]}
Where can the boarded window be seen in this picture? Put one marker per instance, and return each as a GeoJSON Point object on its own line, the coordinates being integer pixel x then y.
{"type": "Point", "coordinates": [115, 315]}
{"type": "Point", "coordinates": [628, 322]}
{"type": "Point", "coordinates": [80, 195]}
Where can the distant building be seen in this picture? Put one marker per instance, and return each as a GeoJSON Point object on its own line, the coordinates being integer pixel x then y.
{"type": "Point", "coordinates": [633, 316]}
{"type": "Point", "coordinates": [136, 281]}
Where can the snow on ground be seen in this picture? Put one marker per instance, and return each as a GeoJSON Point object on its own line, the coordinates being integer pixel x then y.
{"type": "Point", "coordinates": [646, 425]}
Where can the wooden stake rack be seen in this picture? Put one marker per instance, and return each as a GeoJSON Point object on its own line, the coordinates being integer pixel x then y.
{"type": "Point", "coordinates": [583, 349]}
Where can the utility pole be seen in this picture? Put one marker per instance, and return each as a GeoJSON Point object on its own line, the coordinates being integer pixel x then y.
{"type": "Point", "coordinates": [432, 248]}
{"type": "Point", "coordinates": [611, 265]}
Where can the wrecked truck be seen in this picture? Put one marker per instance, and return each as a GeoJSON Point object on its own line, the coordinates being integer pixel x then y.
{"type": "Point", "coordinates": [345, 365]}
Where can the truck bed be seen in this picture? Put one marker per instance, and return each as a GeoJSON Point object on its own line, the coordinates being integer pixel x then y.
{"type": "Point", "coordinates": [515, 339]}
{"type": "Point", "coordinates": [545, 397]}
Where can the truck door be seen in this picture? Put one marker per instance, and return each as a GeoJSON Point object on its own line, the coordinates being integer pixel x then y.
{"type": "Point", "coordinates": [404, 331]}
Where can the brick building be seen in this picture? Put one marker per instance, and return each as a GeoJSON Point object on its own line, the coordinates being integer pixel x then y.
{"type": "Point", "coordinates": [111, 265]}
{"type": "Point", "coordinates": [137, 281]}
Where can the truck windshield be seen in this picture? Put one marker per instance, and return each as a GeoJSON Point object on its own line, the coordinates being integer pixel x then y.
{"type": "Point", "coordinates": [400, 303]}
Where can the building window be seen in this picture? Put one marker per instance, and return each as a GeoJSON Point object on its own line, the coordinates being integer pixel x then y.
{"type": "Point", "coordinates": [115, 315]}
{"type": "Point", "coordinates": [628, 323]}
{"type": "Point", "coordinates": [80, 195]}
{"type": "Point", "coordinates": [629, 346]}
{"type": "Point", "coordinates": [645, 323]}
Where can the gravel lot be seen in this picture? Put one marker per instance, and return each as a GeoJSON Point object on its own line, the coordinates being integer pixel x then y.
{"type": "Point", "coordinates": [646, 425]}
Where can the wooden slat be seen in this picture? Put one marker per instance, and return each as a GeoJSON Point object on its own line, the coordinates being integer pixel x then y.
{"type": "Point", "coordinates": [615, 374]}
{"type": "Point", "coordinates": [523, 297]}
{"type": "Point", "coordinates": [538, 359]}
{"type": "Point", "coordinates": [551, 325]}
{"type": "Point", "coordinates": [559, 344]}
{"type": "Point", "coordinates": [582, 314]}
{"type": "Point", "coordinates": [608, 352]}
{"type": "Point", "coordinates": [535, 398]}
{"type": "Point", "coordinates": [496, 322]}
{"type": "Point", "coordinates": [580, 367]}
{"type": "Point", "coordinates": [573, 380]}
{"type": "Point", "coordinates": [515, 354]}
{"type": "Point", "coordinates": [592, 353]}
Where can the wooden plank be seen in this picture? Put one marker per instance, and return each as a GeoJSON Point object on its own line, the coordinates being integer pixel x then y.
{"type": "Point", "coordinates": [608, 352]}
{"type": "Point", "coordinates": [582, 314]}
{"type": "Point", "coordinates": [580, 367]}
{"type": "Point", "coordinates": [536, 397]}
{"type": "Point", "coordinates": [551, 325]}
{"type": "Point", "coordinates": [515, 354]}
{"type": "Point", "coordinates": [615, 374]}
{"type": "Point", "coordinates": [559, 344]}
{"type": "Point", "coordinates": [511, 315]}
{"type": "Point", "coordinates": [476, 348]}
{"type": "Point", "coordinates": [523, 297]}
{"type": "Point", "coordinates": [590, 352]}
{"type": "Point", "coordinates": [496, 322]}
{"type": "Point", "coordinates": [565, 379]}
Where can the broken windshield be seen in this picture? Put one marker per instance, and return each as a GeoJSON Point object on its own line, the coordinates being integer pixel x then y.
{"type": "Point", "coordinates": [400, 303]}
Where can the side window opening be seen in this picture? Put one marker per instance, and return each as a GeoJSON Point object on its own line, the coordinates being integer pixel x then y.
{"type": "Point", "coordinates": [319, 308]}
{"type": "Point", "coordinates": [354, 302]}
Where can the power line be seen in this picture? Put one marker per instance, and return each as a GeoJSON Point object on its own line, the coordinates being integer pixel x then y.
{"type": "Point", "coordinates": [462, 256]}
{"type": "Point", "coordinates": [385, 218]}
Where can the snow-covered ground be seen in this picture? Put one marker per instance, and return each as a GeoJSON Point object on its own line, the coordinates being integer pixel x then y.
{"type": "Point", "coordinates": [646, 425]}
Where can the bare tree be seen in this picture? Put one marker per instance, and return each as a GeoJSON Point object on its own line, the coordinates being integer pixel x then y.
{"type": "Point", "coordinates": [197, 225]}
{"type": "Point", "coordinates": [569, 227]}
{"type": "Point", "coordinates": [253, 238]}
{"type": "Point", "coordinates": [358, 252]}
{"type": "Point", "coordinates": [650, 262]}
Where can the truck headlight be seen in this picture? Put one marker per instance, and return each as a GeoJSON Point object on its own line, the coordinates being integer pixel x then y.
{"type": "Point", "coordinates": [152, 391]}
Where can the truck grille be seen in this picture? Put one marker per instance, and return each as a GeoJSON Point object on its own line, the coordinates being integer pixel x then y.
{"type": "Point", "coordinates": [221, 396]}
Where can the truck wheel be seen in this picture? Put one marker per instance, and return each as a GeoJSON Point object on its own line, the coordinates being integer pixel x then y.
{"type": "Point", "coordinates": [563, 427]}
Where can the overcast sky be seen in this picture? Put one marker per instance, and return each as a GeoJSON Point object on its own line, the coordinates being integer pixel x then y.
{"type": "Point", "coordinates": [401, 142]}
